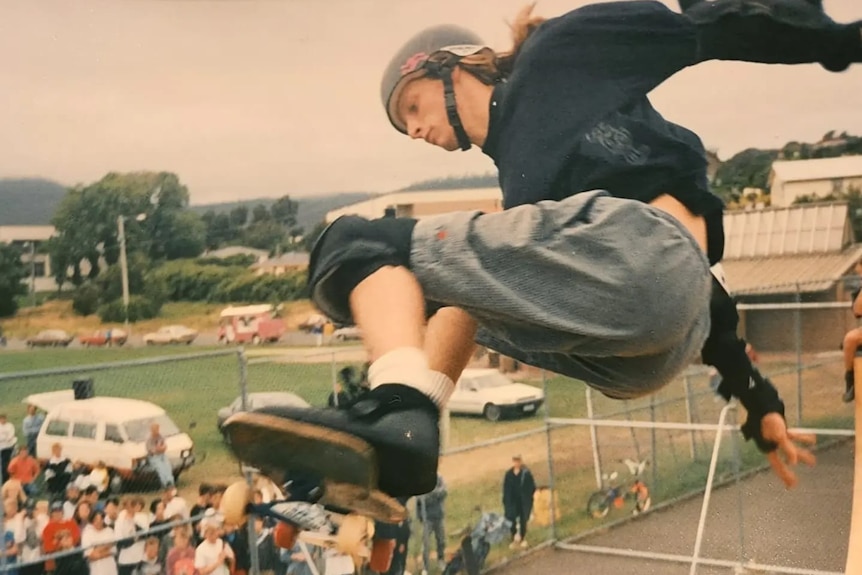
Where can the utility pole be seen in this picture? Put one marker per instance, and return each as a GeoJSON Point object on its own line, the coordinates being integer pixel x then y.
{"type": "Point", "coordinates": [121, 227]}
{"type": "Point", "coordinates": [33, 274]}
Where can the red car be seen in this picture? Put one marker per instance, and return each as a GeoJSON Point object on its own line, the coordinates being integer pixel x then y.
{"type": "Point", "coordinates": [104, 337]}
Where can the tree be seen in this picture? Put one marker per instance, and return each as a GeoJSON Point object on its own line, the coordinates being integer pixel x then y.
{"type": "Point", "coordinates": [239, 217]}
{"type": "Point", "coordinates": [12, 274]}
{"type": "Point", "coordinates": [87, 230]}
{"type": "Point", "coordinates": [284, 211]}
{"type": "Point", "coordinates": [260, 214]}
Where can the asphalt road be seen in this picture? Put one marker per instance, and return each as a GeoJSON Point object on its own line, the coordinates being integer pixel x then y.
{"type": "Point", "coordinates": [806, 528]}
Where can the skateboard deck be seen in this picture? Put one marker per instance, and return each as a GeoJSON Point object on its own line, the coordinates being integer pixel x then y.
{"type": "Point", "coordinates": [470, 564]}
{"type": "Point", "coordinates": [349, 533]}
{"type": "Point", "coordinates": [344, 467]}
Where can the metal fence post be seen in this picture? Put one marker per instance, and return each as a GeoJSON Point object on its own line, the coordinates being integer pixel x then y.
{"type": "Point", "coordinates": [243, 391]}
{"type": "Point", "coordinates": [798, 356]}
{"type": "Point", "coordinates": [594, 440]}
{"type": "Point", "coordinates": [688, 416]}
{"type": "Point", "coordinates": [653, 445]}
{"type": "Point", "coordinates": [551, 482]}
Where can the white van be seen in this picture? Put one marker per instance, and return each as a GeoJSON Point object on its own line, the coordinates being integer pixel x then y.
{"type": "Point", "coordinates": [109, 429]}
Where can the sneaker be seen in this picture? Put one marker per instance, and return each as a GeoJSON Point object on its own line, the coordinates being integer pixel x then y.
{"type": "Point", "coordinates": [849, 387]}
{"type": "Point", "coordinates": [391, 429]}
{"type": "Point", "coordinates": [524, 543]}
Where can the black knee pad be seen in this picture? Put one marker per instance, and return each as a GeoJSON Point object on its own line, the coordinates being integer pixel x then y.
{"type": "Point", "coordinates": [349, 250]}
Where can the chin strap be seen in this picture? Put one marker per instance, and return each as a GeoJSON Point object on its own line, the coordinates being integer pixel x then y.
{"type": "Point", "coordinates": [443, 70]}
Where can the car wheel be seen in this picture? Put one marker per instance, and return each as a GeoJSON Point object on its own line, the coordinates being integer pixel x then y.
{"type": "Point", "coordinates": [492, 412]}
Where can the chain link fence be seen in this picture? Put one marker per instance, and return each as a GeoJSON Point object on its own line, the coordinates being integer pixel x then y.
{"type": "Point", "coordinates": [668, 448]}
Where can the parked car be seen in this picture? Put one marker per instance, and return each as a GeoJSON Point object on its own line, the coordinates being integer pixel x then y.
{"type": "Point", "coordinates": [494, 395]}
{"type": "Point", "coordinates": [50, 338]}
{"type": "Point", "coordinates": [100, 338]}
{"type": "Point", "coordinates": [347, 333]}
{"type": "Point", "coordinates": [109, 429]}
{"type": "Point", "coordinates": [257, 400]}
{"type": "Point", "coordinates": [171, 334]}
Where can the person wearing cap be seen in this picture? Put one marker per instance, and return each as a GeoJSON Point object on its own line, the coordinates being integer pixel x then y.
{"type": "Point", "coordinates": [601, 267]}
{"type": "Point", "coordinates": [57, 524]}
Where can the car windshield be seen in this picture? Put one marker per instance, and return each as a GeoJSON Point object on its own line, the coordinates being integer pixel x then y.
{"type": "Point", "coordinates": [139, 429]}
{"type": "Point", "coordinates": [488, 381]}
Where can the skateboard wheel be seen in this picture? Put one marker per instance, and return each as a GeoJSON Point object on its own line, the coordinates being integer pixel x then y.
{"type": "Point", "coordinates": [382, 551]}
{"type": "Point", "coordinates": [285, 535]}
{"type": "Point", "coordinates": [234, 503]}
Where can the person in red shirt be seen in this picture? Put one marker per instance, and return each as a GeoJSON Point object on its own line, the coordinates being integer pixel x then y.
{"type": "Point", "coordinates": [56, 525]}
{"type": "Point", "coordinates": [25, 468]}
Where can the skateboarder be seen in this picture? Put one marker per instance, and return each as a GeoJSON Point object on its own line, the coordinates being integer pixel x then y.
{"type": "Point", "coordinates": [599, 268]}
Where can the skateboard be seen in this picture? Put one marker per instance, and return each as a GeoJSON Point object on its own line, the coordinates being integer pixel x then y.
{"type": "Point", "coordinates": [333, 503]}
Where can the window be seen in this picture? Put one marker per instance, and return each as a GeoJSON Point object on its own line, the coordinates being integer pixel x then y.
{"type": "Point", "coordinates": [84, 430]}
{"type": "Point", "coordinates": [112, 433]}
{"type": "Point", "coordinates": [57, 427]}
{"type": "Point", "coordinates": [139, 429]}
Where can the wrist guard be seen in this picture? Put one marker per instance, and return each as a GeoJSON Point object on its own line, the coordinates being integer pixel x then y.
{"type": "Point", "coordinates": [758, 396]}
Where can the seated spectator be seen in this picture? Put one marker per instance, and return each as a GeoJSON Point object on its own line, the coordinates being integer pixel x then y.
{"type": "Point", "coordinates": [99, 478]}
{"type": "Point", "coordinates": [51, 539]}
{"type": "Point", "coordinates": [25, 469]}
{"type": "Point", "coordinates": [213, 556]}
{"type": "Point", "coordinates": [13, 489]}
{"type": "Point", "coordinates": [58, 472]}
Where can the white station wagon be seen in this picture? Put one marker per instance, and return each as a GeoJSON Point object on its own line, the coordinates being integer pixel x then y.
{"type": "Point", "coordinates": [109, 429]}
{"type": "Point", "coordinates": [492, 394]}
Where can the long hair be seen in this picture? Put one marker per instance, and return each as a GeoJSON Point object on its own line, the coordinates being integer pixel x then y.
{"type": "Point", "coordinates": [523, 25]}
{"type": "Point", "coordinates": [490, 67]}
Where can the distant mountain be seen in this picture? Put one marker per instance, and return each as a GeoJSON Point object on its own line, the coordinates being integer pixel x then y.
{"type": "Point", "coordinates": [311, 210]}
{"type": "Point", "coordinates": [29, 201]}
{"type": "Point", "coordinates": [454, 183]}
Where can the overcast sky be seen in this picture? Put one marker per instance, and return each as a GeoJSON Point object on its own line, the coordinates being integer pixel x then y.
{"type": "Point", "coordinates": [252, 98]}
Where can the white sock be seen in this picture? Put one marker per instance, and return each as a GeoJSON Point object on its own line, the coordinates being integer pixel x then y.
{"type": "Point", "coordinates": [409, 366]}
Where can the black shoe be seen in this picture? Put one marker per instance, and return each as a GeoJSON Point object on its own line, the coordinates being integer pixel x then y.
{"type": "Point", "coordinates": [850, 387]}
{"type": "Point", "coordinates": [389, 440]}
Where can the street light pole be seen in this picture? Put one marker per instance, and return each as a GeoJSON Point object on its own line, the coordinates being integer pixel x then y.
{"type": "Point", "coordinates": [124, 267]}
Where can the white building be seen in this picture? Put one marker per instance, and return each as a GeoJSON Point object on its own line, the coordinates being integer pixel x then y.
{"type": "Point", "coordinates": [30, 239]}
{"type": "Point", "coordinates": [789, 180]}
{"type": "Point", "coordinates": [424, 203]}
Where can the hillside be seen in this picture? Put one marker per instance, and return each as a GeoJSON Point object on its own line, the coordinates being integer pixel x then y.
{"type": "Point", "coordinates": [29, 201]}
{"type": "Point", "coordinates": [311, 210]}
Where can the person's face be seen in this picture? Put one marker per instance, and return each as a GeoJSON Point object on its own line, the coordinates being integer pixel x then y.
{"type": "Point", "coordinates": [516, 464]}
{"type": "Point", "coordinates": [111, 510]}
{"type": "Point", "coordinates": [84, 511]}
{"type": "Point", "coordinates": [98, 521]}
{"type": "Point", "coordinates": [422, 107]}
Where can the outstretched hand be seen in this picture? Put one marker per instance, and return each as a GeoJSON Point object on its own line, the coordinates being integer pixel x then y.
{"type": "Point", "coordinates": [774, 429]}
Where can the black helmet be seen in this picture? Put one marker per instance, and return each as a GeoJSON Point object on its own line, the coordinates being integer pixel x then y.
{"type": "Point", "coordinates": [433, 52]}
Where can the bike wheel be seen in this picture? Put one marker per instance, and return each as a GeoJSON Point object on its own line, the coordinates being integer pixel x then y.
{"type": "Point", "coordinates": [642, 498]}
{"type": "Point", "coordinates": [598, 505]}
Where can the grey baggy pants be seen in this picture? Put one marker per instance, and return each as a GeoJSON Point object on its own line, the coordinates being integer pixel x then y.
{"type": "Point", "coordinates": [611, 291]}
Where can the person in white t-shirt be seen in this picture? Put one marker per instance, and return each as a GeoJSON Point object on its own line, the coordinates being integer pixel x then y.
{"type": "Point", "coordinates": [8, 441]}
{"type": "Point", "coordinates": [213, 556]}
{"type": "Point", "coordinates": [131, 521]}
{"type": "Point", "coordinates": [98, 542]}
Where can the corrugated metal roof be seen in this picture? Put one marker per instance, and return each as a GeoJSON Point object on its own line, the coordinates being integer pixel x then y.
{"type": "Point", "coordinates": [817, 169]}
{"type": "Point", "coordinates": [800, 229]}
{"type": "Point", "coordinates": [789, 274]}
{"type": "Point", "coordinates": [376, 206]}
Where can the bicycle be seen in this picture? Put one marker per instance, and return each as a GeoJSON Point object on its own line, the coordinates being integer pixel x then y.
{"type": "Point", "coordinates": [616, 495]}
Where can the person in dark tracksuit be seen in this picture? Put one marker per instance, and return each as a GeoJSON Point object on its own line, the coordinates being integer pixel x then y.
{"type": "Point", "coordinates": [603, 264]}
{"type": "Point", "coordinates": [519, 486]}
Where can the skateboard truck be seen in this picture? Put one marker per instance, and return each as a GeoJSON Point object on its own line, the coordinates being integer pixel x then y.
{"type": "Point", "coordinates": [349, 533]}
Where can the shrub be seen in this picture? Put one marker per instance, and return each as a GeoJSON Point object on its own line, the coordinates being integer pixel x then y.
{"type": "Point", "coordinates": [85, 300]}
{"type": "Point", "coordinates": [140, 307]}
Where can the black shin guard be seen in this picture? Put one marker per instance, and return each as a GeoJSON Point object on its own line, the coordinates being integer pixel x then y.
{"type": "Point", "coordinates": [349, 250]}
{"type": "Point", "coordinates": [725, 351]}
{"type": "Point", "coordinates": [774, 32]}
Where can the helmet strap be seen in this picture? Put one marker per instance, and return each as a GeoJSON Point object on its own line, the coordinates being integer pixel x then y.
{"type": "Point", "coordinates": [452, 110]}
